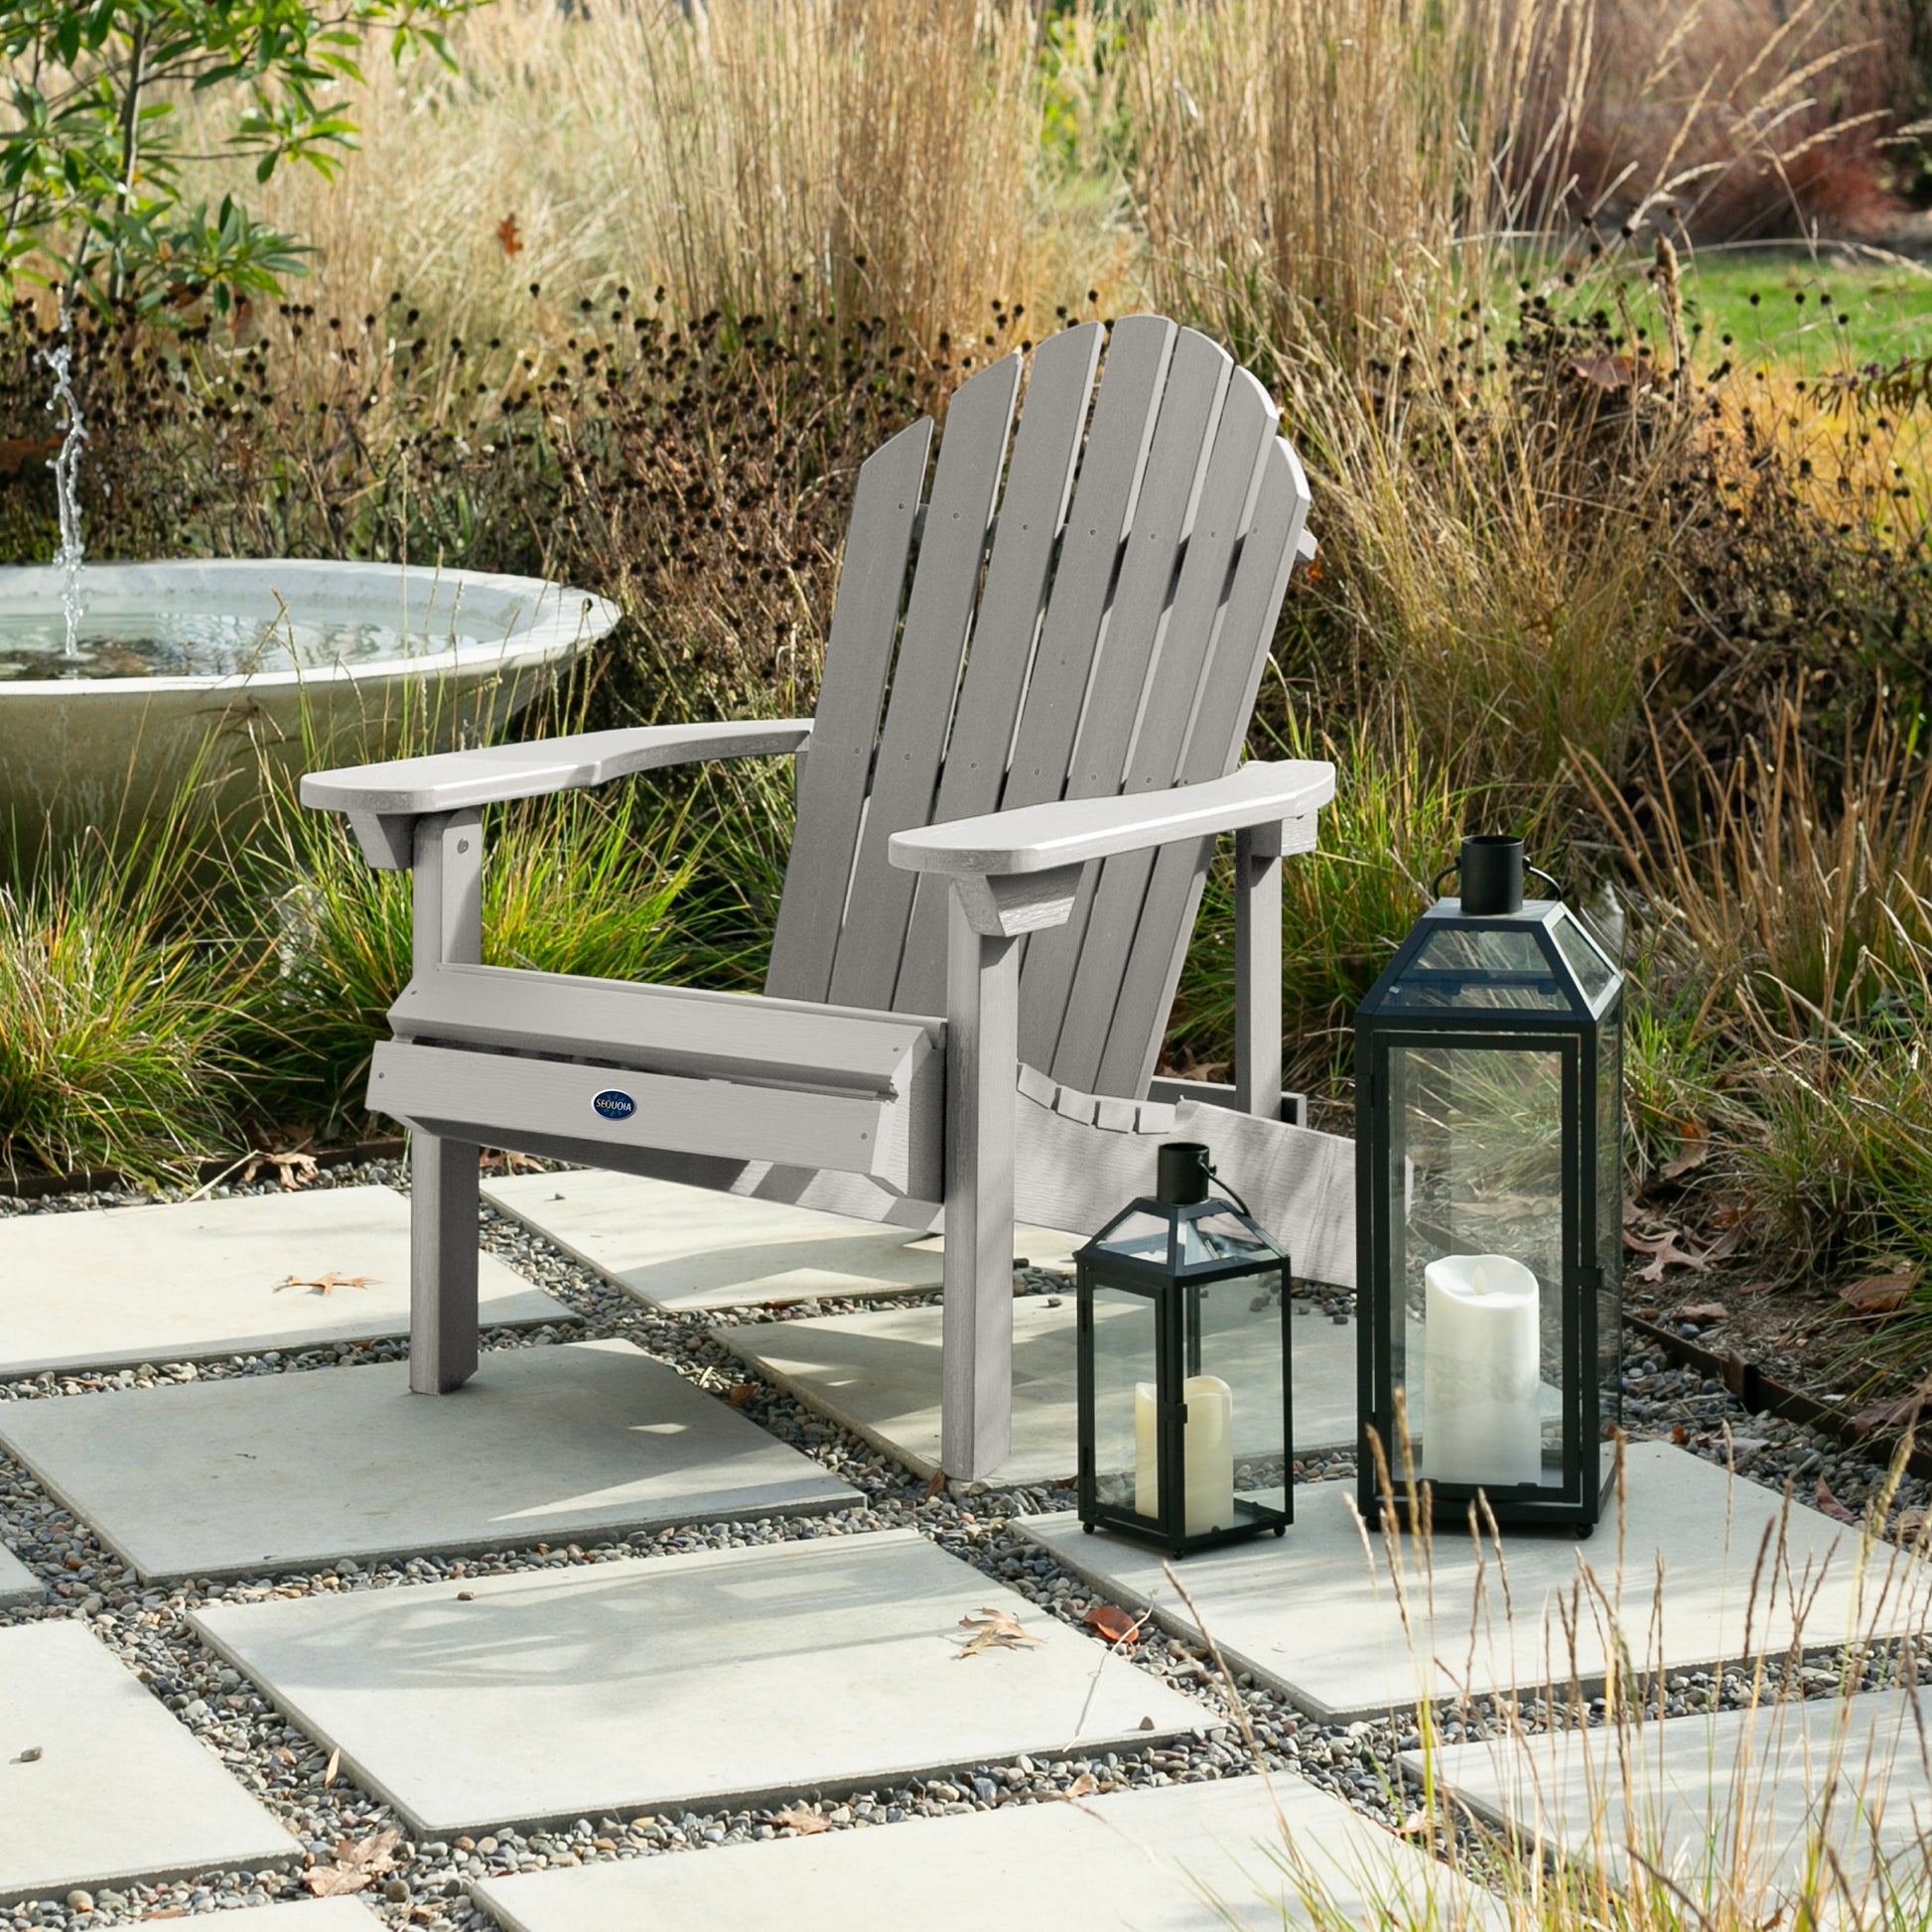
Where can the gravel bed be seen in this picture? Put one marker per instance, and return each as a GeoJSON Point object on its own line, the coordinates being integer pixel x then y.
{"type": "Point", "coordinates": [1244, 1726]}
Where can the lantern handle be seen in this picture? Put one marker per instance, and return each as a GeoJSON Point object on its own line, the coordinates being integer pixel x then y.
{"type": "Point", "coordinates": [1214, 1174]}
{"type": "Point", "coordinates": [1453, 867]}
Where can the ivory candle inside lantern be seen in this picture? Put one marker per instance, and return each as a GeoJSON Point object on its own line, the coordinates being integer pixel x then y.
{"type": "Point", "coordinates": [1482, 1409]}
{"type": "Point", "coordinates": [1208, 1454]}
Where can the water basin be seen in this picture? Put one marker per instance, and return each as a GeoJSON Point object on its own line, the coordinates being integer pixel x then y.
{"type": "Point", "coordinates": [291, 663]}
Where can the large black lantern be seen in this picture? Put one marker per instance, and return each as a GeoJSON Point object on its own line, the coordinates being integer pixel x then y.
{"type": "Point", "coordinates": [1488, 1067]}
{"type": "Point", "coordinates": [1183, 1387]}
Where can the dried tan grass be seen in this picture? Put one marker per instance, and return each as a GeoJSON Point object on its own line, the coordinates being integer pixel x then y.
{"type": "Point", "coordinates": [878, 154]}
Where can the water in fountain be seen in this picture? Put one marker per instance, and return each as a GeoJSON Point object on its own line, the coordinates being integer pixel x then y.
{"type": "Point", "coordinates": [65, 465]}
{"type": "Point", "coordinates": [191, 642]}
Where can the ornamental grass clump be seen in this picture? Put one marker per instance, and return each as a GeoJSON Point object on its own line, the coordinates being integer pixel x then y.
{"type": "Point", "coordinates": [1574, 1816]}
{"type": "Point", "coordinates": [126, 1007]}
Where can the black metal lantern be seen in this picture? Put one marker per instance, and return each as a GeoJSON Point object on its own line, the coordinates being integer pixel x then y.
{"type": "Point", "coordinates": [1183, 1385]}
{"type": "Point", "coordinates": [1489, 1149]}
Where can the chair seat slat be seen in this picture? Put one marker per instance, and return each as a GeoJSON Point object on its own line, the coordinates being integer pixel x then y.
{"type": "Point", "coordinates": [665, 1029]}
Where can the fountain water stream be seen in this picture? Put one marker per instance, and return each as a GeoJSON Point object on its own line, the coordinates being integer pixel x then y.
{"type": "Point", "coordinates": [65, 465]}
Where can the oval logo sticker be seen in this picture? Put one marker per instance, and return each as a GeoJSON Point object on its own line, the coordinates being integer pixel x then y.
{"type": "Point", "coordinates": [613, 1105]}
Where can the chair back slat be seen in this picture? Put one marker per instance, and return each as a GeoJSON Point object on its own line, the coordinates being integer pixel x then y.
{"type": "Point", "coordinates": [1182, 669]}
{"type": "Point", "coordinates": [1117, 646]}
{"type": "Point", "coordinates": [1184, 434]}
{"type": "Point", "coordinates": [838, 766]}
{"type": "Point", "coordinates": [1118, 439]}
{"type": "Point", "coordinates": [925, 680]}
{"type": "Point", "coordinates": [1039, 477]}
{"type": "Point", "coordinates": [1153, 962]}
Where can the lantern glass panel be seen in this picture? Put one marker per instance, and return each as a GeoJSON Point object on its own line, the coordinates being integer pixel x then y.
{"type": "Point", "coordinates": [1478, 969]}
{"type": "Point", "coordinates": [1594, 974]}
{"type": "Point", "coordinates": [1124, 1352]}
{"type": "Point", "coordinates": [1478, 1342]}
{"type": "Point", "coordinates": [1185, 1241]}
{"type": "Point", "coordinates": [1609, 1232]}
{"type": "Point", "coordinates": [1235, 1342]}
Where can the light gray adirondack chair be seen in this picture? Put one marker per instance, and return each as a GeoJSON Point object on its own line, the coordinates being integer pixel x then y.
{"type": "Point", "coordinates": [1006, 804]}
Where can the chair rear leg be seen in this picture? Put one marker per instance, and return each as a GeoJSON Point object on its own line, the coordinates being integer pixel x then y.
{"type": "Point", "coordinates": [442, 1263]}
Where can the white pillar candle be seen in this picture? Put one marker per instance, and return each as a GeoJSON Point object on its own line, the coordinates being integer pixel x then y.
{"type": "Point", "coordinates": [1482, 1409]}
{"type": "Point", "coordinates": [1208, 1454]}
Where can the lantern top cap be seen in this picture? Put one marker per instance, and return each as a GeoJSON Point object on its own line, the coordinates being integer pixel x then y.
{"type": "Point", "coordinates": [1535, 964]}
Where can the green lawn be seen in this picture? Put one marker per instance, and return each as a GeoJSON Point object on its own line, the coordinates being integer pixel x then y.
{"type": "Point", "coordinates": [1781, 308]}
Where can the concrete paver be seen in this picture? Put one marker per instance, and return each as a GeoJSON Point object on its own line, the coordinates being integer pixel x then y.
{"type": "Point", "coordinates": [253, 1474]}
{"type": "Point", "coordinates": [1741, 1798]}
{"type": "Point", "coordinates": [1317, 1613]}
{"type": "Point", "coordinates": [100, 1785]}
{"type": "Point", "coordinates": [1150, 1861]}
{"type": "Point", "coordinates": [733, 1676]}
{"type": "Point", "coordinates": [678, 1247]}
{"type": "Point", "coordinates": [190, 1281]}
{"type": "Point", "coordinates": [878, 1373]}
{"type": "Point", "coordinates": [17, 1583]}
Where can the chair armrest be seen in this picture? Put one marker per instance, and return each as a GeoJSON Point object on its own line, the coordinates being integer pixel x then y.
{"type": "Point", "coordinates": [383, 800]}
{"type": "Point", "coordinates": [1071, 831]}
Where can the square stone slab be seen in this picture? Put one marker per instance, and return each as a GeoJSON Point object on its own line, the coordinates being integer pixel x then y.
{"type": "Point", "coordinates": [1314, 1612]}
{"type": "Point", "coordinates": [678, 1247]}
{"type": "Point", "coordinates": [1150, 1861]}
{"type": "Point", "coordinates": [725, 1677]}
{"type": "Point", "coordinates": [17, 1583]}
{"type": "Point", "coordinates": [268, 1473]}
{"type": "Point", "coordinates": [191, 1280]}
{"type": "Point", "coordinates": [878, 1373]}
{"type": "Point", "coordinates": [1738, 1796]}
{"type": "Point", "coordinates": [119, 1791]}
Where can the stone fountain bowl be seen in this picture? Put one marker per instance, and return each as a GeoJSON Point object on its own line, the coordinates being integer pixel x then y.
{"type": "Point", "coordinates": [113, 752]}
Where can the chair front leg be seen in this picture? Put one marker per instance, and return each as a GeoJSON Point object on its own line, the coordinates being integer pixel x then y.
{"type": "Point", "coordinates": [982, 1048]}
{"type": "Point", "coordinates": [447, 910]}
{"type": "Point", "coordinates": [1258, 971]}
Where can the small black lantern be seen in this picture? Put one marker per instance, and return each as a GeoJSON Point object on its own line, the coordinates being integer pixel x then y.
{"type": "Point", "coordinates": [1183, 1384]}
{"type": "Point", "coordinates": [1488, 1159]}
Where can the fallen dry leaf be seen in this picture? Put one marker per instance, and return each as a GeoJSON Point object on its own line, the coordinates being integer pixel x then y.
{"type": "Point", "coordinates": [1907, 1524]}
{"type": "Point", "coordinates": [1665, 1253]}
{"type": "Point", "coordinates": [508, 234]}
{"type": "Point", "coordinates": [935, 1483]}
{"type": "Point", "coordinates": [993, 1630]}
{"type": "Point", "coordinates": [1678, 1434]}
{"type": "Point", "coordinates": [1880, 1294]}
{"type": "Point", "coordinates": [1081, 1787]}
{"type": "Point", "coordinates": [1901, 1414]}
{"type": "Point", "coordinates": [1112, 1623]}
{"type": "Point", "coordinates": [325, 1284]}
{"type": "Point", "coordinates": [1702, 1312]}
{"type": "Point", "coordinates": [291, 1167]}
{"type": "Point", "coordinates": [1416, 1825]}
{"type": "Point", "coordinates": [740, 1393]}
{"type": "Point", "coordinates": [496, 1160]}
{"type": "Point", "coordinates": [331, 1768]}
{"type": "Point", "coordinates": [802, 1821]}
{"type": "Point", "coordinates": [1829, 1504]}
{"type": "Point", "coordinates": [355, 1866]}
